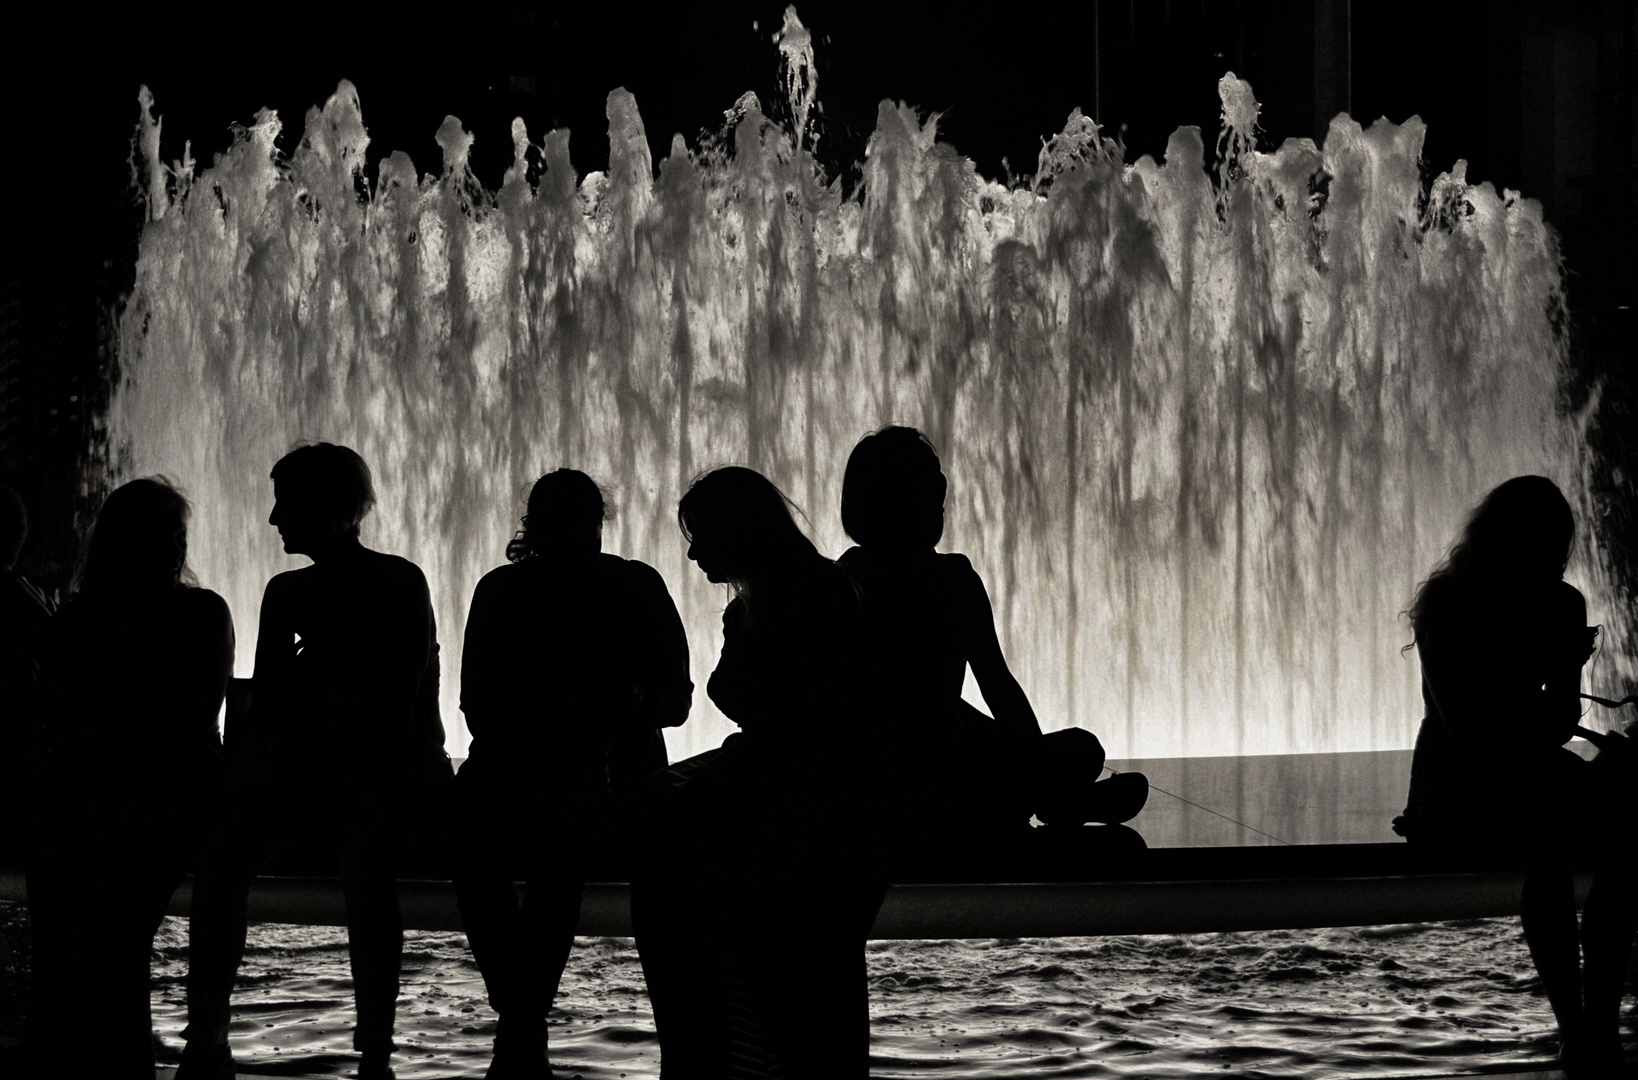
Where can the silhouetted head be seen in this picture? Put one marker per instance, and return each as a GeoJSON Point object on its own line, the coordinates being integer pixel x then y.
{"type": "Point", "coordinates": [1523, 528]}
{"type": "Point", "coordinates": [13, 526]}
{"type": "Point", "coordinates": [564, 518]}
{"type": "Point", "coordinates": [1520, 532]}
{"type": "Point", "coordinates": [893, 491]}
{"type": "Point", "coordinates": [139, 541]}
{"type": "Point", "coordinates": [740, 529]}
{"type": "Point", "coordinates": [320, 494]}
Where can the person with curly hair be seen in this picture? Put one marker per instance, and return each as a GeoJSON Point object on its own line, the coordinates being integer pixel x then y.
{"type": "Point", "coordinates": [1502, 639]}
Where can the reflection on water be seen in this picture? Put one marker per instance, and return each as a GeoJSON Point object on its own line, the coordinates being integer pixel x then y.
{"type": "Point", "coordinates": [1362, 1002]}
{"type": "Point", "coordinates": [1205, 428]}
{"type": "Point", "coordinates": [1348, 798]}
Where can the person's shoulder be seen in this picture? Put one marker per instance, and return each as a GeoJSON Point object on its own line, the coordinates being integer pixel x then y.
{"type": "Point", "coordinates": [204, 608]}
{"type": "Point", "coordinates": [505, 576]}
{"type": "Point", "coordinates": [203, 600]}
{"type": "Point", "coordinates": [288, 581]}
{"type": "Point", "coordinates": [838, 584]}
{"type": "Point", "coordinates": [1568, 599]}
{"type": "Point", "coordinates": [1444, 594]}
{"type": "Point", "coordinates": [398, 570]}
{"type": "Point", "coordinates": [955, 573]}
{"type": "Point", "coordinates": [640, 575]}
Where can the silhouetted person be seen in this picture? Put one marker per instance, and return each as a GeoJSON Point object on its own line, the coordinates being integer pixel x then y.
{"type": "Point", "coordinates": [347, 747]}
{"type": "Point", "coordinates": [131, 681]}
{"type": "Point", "coordinates": [568, 652]}
{"type": "Point", "coordinates": [929, 619]}
{"type": "Point", "coordinates": [25, 616]}
{"type": "Point", "coordinates": [758, 860]}
{"type": "Point", "coordinates": [1502, 639]}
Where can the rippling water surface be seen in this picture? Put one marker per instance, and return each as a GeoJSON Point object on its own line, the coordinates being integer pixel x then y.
{"type": "Point", "coordinates": [1369, 1001]}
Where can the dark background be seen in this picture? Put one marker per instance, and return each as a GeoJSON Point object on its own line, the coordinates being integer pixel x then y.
{"type": "Point", "coordinates": [1535, 95]}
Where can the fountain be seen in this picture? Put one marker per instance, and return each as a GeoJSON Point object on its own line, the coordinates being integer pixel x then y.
{"type": "Point", "coordinates": [1203, 434]}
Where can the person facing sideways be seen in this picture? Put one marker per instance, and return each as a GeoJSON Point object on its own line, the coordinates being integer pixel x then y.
{"type": "Point", "coordinates": [1502, 639]}
{"type": "Point", "coordinates": [569, 654]}
{"type": "Point", "coordinates": [757, 857]}
{"type": "Point", "coordinates": [132, 676]}
{"type": "Point", "coordinates": [343, 742]}
{"type": "Point", "coordinates": [929, 618]}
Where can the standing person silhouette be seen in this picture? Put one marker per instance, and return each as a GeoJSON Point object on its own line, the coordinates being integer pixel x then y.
{"type": "Point", "coordinates": [569, 653]}
{"type": "Point", "coordinates": [344, 701]}
{"type": "Point", "coordinates": [1502, 639]}
{"type": "Point", "coordinates": [929, 617]}
{"type": "Point", "coordinates": [131, 680]}
{"type": "Point", "coordinates": [759, 859]}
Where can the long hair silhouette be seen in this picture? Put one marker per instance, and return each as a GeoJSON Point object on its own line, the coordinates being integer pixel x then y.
{"type": "Point", "coordinates": [139, 541]}
{"type": "Point", "coordinates": [1523, 527]}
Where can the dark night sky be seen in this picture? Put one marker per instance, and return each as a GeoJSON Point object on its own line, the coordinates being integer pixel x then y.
{"type": "Point", "coordinates": [1002, 76]}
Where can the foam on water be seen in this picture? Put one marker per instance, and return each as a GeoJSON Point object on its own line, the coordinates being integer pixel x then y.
{"type": "Point", "coordinates": [1205, 428]}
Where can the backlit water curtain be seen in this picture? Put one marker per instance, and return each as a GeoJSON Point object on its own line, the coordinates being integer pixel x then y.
{"type": "Point", "coordinates": [1205, 429]}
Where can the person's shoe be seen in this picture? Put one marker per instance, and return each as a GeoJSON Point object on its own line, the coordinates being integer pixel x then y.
{"type": "Point", "coordinates": [517, 1063]}
{"type": "Point", "coordinates": [520, 1052]}
{"type": "Point", "coordinates": [206, 1061]}
{"type": "Point", "coordinates": [376, 1065]}
{"type": "Point", "coordinates": [1592, 1059]}
{"type": "Point", "coordinates": [1110, 802]}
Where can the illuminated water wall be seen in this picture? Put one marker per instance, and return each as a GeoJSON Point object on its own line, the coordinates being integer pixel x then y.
{"type": "Point", "coordinates": [1204, 429]}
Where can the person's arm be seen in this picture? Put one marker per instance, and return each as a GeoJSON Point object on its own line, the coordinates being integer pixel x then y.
{"type": "Point", "coordinates": [207, 664]}
{"type": "Point", "coordinates": [480, 663]}
{"type": "Point", "coordinates": [409, 658]}
{"type": "Point", "coordinates": [1572, 646]}
{"type": "Point", "coordinates": [665, 692]}
{"type": "Point", "coordinates": [273, 680]}
{"type": "Point", "coordinates": [1003, 695]}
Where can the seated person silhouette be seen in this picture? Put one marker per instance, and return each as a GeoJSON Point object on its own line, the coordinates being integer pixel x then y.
{"type": "Point", "coordinates": [759, 859]}
{"type": "Point", "coordinates": [1502, 639]}
{"type": "Point", "coordinates": [345, 747]}
{"type": "Point", "coordinates": [570, 653]}
{"type": "Point", "coordinates": [132, 779]}
{"type": "Point", "coordinates": [930, 618]}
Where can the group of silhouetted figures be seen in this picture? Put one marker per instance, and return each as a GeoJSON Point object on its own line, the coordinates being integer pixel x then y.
{"type": "Point", "coordinates": [769, 853]}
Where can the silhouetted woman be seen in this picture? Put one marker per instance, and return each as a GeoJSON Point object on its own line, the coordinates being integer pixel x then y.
{"type": "Point", "coordinates": [929, 619]}
{"type": "Point", "coordinates": [131, 682]}
{"type": "Point", "coordinates": [345, 700]}
{"type": "Point", "coordinates": [569, 653]}
{"type": "Point", "coordinates": [752, 908]}
{"type": "Point", "coordinates": [1502, 639]}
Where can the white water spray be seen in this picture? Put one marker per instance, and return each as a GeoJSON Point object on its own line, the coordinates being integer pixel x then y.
{"type": "Point", "coordinates": [1202, 440]}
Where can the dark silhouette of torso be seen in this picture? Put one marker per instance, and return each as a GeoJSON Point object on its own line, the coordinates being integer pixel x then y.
{"type": "Point", "coordinates": [1488, 648]}
{"type": "Point", "coordinates": [557, 662]}
{"type": "Point", "coordinates": [347, 669]}
{"type": "Point", "coordinates": [130, 688]}
{"type": "Point", "coordinates": [790, 677]}
{"type": "Point", "coordinates": [921, 607]}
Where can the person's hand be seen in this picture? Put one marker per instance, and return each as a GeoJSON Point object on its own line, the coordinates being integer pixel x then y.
{"type": "Point", "coordinates": [1589, 643]}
